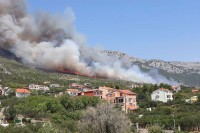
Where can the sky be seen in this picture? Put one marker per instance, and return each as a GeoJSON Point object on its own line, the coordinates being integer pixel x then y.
{"type": "Point", "coordinates": [150, 29]}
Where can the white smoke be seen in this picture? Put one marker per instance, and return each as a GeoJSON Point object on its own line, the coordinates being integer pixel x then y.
{"type": "Point", "coordinates": [48, 42]}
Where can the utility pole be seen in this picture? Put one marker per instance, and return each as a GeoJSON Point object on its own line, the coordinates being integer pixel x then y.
{"type": "Point", "coordinates": [125, 104]}
{"type": "Point", "coordinates": [174, 121]}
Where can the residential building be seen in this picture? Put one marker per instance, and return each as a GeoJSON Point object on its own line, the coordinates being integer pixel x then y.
{"type": "Point", "coordinates": [195, 90]}
{"type": "Point", "coordinates": [38, 87]}
{"type": "Point", "coordinates": [54, 85]}
{"type": "Point", "coordinates": [94, 92]}
{"type": "Point", "coordinates": [163, 95]}
{"type": "Point", "coordinates": [125, 98]}
{"type": "Point", "coordinates": [105, 91]}
{"type": "Point", "coordinates": [47, 82]}
{"type": "Point", "coordinates": [72, 92]}
{"type": "Point", "coordinates": [20, 92]}
{"type": "Point", "coordinates": [176, 88]}
{"type": "Point", "coordinates": [192, 99]}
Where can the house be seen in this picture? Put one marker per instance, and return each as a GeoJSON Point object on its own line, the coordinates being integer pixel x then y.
{"type": "Point", "coordinates": [77, 86]}
{"type": "Point", "coordinates": [192, 99]}
{"type": "Point", "coordinates": [59, 94]}
{"type": "Point", "coordinates": [46, 82]}
{"type": "Point", "coordinates": [163, 95]}
{"type": "Point", "coordinates": [176, 88]}
{"type": "Point", "coordinates": [54, 85]}
{"type": "Point", "coordinates": [134, 85]}
{"type": "Point", "coordinates": [20, 92]}
{"type": "Point", "coordinates": [195, 90]}
{"type": "Point", "coordinates": [38, 87]}
{"type": "Point", "coordinates": [105, 91]}
{"type": "Point", "coordinates": [87, 84]}
{"type": "Point", "coordinates": [94, 92]}
{"type": "Point", "coordinates": [125, 98]}
{"type": "Point", "coordinates": [72, 92]}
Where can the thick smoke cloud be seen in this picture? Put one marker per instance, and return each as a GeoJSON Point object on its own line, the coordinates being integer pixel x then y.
{"type": "Point", "coordinates": [50, 41]}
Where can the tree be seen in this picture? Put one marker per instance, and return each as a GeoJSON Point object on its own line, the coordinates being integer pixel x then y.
{"type": "Point", "coordinates": [48, 128]}
{"type": "Point", "coordinates": [155, 129]}
{"type": "Point", "coordinates": [104, 119]}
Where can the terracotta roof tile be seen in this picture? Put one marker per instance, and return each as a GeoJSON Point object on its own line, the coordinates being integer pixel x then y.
{"type": "Point", "coordinates": [20, 90]}
{"type": "Point", "coordinates": [127, 92]}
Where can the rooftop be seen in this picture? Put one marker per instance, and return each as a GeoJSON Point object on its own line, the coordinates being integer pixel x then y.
{"type": "Point", "coordinates": [127, 92]}
{"type": "Point", "coordinates": [163, 89]}
{"type": "Point", "coordinates": [72, 90]}
{"type": "Point", "coordinates": [107, 88]}
{"type": "Point", "coordinates": [21, 90]}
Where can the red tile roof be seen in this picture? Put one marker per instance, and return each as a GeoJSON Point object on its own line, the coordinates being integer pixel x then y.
{"type": "Point", "coordinates": [72, 90]}
{"type": "Point", "coordinates": [195, 90]}
{"type": "Point", "coordinates": [163, 89]}
{"type": "Point", "coordinates": [19, 90]}
{"type": "Point", "coordinates": [106, 88]}
{"type": "Point", "coordinates": [127, 92]}
{"type": "Point", "coordinates": [132, 107]}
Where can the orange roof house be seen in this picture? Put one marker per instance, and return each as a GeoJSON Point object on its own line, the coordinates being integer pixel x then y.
{"type": "Point", "coordinates": [73, 92]}
{"type": "Point", "coordinates": [105, 90]}
{"type": "Point", "coordinates": [21, 92]}
{"type": "Point", "coordinates": [94, 92]}
{"type": "Point", "coordinates": [125, 98]}
{"type": "Point", "coordinates": [195, 90]}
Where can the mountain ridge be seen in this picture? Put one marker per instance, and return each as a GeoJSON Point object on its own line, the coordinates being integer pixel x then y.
{"type": "Point", "coordinates": [170, 66]}
{"type": "Point", "coordinates": [183, 72]}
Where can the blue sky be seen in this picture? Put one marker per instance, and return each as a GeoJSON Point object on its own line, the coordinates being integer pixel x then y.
{"type": "Point", "coordinates": [150, 29]}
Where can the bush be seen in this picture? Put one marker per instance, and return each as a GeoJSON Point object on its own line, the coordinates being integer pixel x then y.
{"type": "Point", "coordinates": [154, 129]}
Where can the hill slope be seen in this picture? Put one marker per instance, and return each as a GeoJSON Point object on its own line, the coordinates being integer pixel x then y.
{"type": "Point", "coordinates": [13, 73]}
{"type": "Point", "coordinates": [183, 72]}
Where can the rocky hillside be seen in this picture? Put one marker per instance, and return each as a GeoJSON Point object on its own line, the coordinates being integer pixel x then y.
{"type": "Point", "coordinates": [11, 69]}
{"type": "Point", "coordinates": [184, 72]}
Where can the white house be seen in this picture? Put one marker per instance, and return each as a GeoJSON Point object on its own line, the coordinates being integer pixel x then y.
{"type": "Point", "coordinates": [38, 87]}
{"type": "Point", "coordinates": [22, 92]}
{"type": "Point", "coordinates": [54, 85]}
{"type": "Point", "coordinates": [163, 95]}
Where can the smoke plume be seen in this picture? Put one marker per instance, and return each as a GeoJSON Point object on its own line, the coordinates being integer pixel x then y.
{"type": "Point", "coordinates": [50, 41]}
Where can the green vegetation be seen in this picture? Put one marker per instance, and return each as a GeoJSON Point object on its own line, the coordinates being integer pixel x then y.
{"type": "Point", "coordinates": [167, 115]}
{"type": "Point", "coordinates": [22, 75]}
{"type": "Point", "coordinates": [63, 112]}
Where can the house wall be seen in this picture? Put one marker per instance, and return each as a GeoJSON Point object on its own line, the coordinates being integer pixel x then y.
{"type": "Point", "coordinates": [22, 94]}
{"type": "Point", "coordinates": [104, 92]}
{"type": "Point", "coordinates": [89, 93]}
{"type": "Point", "coordinates": [38, 87]}
{"type": "Point", "coordinates": [161, 96]}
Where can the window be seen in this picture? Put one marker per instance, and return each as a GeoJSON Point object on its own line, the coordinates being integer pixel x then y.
{"type": "Point", "coordinates": [120, 100]}
{"type": "Point", "coordinates": [168, 96]}
{"type": "Point", "coordinates": [157, 97]}
{"type": "Point", "coordinates": [130, 100]}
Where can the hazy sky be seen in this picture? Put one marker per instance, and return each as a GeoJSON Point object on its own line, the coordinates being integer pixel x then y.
{"type": "Point", "coordinates": [150, 29]}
